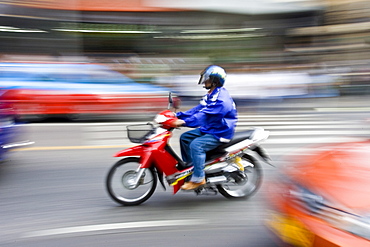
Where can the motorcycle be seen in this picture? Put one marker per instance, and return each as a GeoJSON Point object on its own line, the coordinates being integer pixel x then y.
{"type": "Point", "coordinates": [232, 169]}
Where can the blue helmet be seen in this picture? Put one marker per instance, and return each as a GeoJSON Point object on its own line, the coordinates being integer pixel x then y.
{"type": "Point", "coordinates": [215, 73]}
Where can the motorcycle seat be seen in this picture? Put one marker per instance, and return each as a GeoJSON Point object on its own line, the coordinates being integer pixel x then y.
{"type": "Point", "coordinates": [220, 150]}
{"type": "Point", "coordinates": [238, 137]}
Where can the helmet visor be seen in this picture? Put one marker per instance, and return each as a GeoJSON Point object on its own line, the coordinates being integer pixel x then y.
{"type": "Point", "coordinates": [203, 77]}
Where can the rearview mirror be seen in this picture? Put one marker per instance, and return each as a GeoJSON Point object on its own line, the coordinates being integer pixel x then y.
{"type": "Point", "coordinates": [170, 100]}
{"type": "Point", "coordinates": [176, 103]}
{"type": "Point", "coordinates": [173, 102]}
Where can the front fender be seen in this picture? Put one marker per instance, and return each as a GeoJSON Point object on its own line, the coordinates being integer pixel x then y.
{"type": "Point", "coordinates": [144, 152]}
{"type": "Point", "coordinates": [133, 151]}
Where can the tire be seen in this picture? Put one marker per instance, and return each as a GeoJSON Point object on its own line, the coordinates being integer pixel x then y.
{"type": "Point", "coordinates": [248, 186]}
{"type": "Point", "coordinates": [119, 178]}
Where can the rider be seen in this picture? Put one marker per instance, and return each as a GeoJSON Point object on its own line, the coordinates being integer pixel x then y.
{"type": "Point", "coordinates": [214, 119]}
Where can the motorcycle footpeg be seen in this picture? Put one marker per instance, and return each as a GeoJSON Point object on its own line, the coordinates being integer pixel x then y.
{"type": "Point", "coordinates": [206, 191]}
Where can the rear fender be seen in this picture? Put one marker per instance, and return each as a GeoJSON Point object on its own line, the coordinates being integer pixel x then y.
{"type": "Point", "coordinates": [261, 152]}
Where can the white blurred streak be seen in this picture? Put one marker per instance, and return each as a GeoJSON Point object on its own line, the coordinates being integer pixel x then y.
{"type": "Point", "coordinates": [256, 85]}
{"type": "Point", "coordinates": [240, 6]}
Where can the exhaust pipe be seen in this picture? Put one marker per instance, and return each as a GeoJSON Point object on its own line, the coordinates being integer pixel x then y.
{"type": "Point", "coordinates": [216, 180]}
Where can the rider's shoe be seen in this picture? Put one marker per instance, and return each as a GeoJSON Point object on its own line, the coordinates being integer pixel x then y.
{"type": "Point", "coordinates": [191, 185]}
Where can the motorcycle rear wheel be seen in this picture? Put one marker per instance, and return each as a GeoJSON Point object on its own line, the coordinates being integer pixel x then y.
{"type": "Point", "coordinates": [248, 186]}
{"type": "Point", "coordinates": [120, 186]}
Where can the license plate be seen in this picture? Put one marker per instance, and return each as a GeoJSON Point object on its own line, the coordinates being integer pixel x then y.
{"type": "Point", "coordinates": [291, 231]}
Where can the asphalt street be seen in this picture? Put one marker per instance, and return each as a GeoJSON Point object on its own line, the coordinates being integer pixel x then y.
{"type": "Point", "coordinates": [53, 194]}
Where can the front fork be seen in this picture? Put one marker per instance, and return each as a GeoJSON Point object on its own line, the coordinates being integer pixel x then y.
{"type": "Point", "coordinates": [140, 175]}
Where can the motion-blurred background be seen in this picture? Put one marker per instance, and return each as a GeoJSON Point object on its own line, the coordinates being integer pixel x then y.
{"type": "Point", "coordinates": [298, 68]}
{"type": "Point", "coordinates": [271, 49]}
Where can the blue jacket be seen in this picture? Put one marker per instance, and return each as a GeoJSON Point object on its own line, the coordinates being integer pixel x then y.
{"type": "Point", "coordinates": [216, 114]}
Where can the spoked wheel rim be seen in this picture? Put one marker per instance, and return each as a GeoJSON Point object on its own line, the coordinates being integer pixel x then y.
{"type": "Point", "coordinates": [121, 182]}
{"type": "Point", "coordinates": [128, 180]}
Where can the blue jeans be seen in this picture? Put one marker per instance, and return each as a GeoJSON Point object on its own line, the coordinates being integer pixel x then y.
{"type": "Point", "coordinates": [194, 144]}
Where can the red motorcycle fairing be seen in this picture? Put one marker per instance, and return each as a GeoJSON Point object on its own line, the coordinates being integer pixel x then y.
{"type": "Point", "coordinates": [153, 152]}
{"type": "Point", "coordinates": [145, 153]}
{"type": "Point", "coordinates": [132, 151]}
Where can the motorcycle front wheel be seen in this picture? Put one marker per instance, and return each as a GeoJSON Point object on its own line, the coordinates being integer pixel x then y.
{"type": "Point", "coordinates": [120, 182]}
{"type": "Point", "coordinates": [243, 184]}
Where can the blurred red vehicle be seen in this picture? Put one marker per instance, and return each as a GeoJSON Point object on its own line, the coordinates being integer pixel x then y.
{"type": "Point", "coordinates": [323, 199]}
{"type": "Point", "coordinates": [39, 90]}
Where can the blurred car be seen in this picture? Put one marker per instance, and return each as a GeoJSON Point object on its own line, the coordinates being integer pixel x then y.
{"type": "Point", "coordinates": [10, 132]}
{"type": "Point", "coordinates": [323, 199]}
{"type": "Point", "coordinates": [39, 90]}
{"type": "Point", "coordinates": [7, 129]}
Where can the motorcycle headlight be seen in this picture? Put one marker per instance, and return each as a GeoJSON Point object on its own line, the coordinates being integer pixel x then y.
{"type": "Point", "coordinates": [316, 205]}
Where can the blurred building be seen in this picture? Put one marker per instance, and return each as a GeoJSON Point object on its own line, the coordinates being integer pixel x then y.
{"type": "Point", "coordinates": [150, 37]}
{"type": "Point", "coordinates": [235, 31]}
{"type": "Point", "coordinates": [339, 43]}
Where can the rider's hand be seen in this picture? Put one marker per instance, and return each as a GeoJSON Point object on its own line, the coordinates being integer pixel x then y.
{"type": "Point", "coordinates": [177, 123]}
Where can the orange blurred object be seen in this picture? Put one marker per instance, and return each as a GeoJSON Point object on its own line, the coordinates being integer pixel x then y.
{"type": "Point", "coordinates": [323, 199]}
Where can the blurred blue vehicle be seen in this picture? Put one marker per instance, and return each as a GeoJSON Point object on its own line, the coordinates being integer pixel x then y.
{"type": "Point", "coordinates": [10, 131]}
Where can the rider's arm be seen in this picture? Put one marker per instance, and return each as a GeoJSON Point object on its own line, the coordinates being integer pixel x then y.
{"type": "Point", "coordinates": [205, 115]}
{"type": "Point", "coordinates": [189, 113]}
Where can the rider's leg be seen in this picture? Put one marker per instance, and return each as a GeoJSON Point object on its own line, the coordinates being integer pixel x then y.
{"type": "Point", "coordinates": [185, 140]}
{"type": "Point", "coordinates": [198, 149]}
